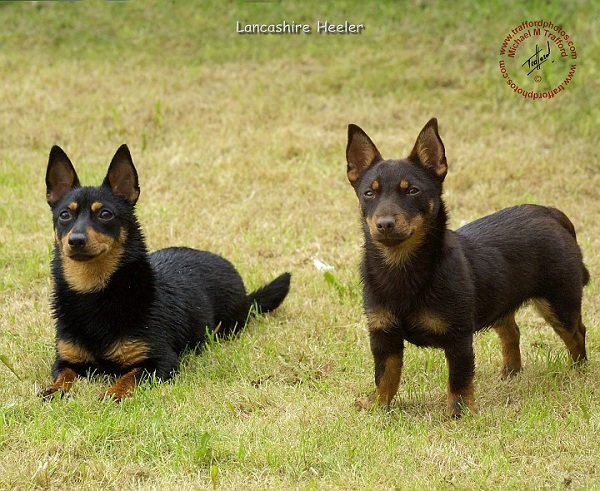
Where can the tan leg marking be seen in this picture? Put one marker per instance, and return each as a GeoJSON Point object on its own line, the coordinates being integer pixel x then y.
{"type": "Point", "coordinates": [509, 335]}
{"type": "Point", "coordinates": [62, 384]}
{"type": "Point", "coordinates": [457, 400]}
{"type": "Point", "coordinates": [123, 388]}
{"type": "Point", "coordinates": [387, 386]}
{"type": "Point", "coordinates": [572, 336]}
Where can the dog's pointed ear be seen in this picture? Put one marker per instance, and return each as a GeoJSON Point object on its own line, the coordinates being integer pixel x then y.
{"type": "Point", "coordinates": [429, 150]}
{"type": "Point", "coordinates": [122, 177]}
{"type": "Point", "coordinates": [361, 153]}
{"type": "Point", "coordinates": [60, 175]}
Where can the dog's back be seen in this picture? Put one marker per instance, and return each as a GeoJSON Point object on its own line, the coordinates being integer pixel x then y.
{"type": "Point", "coordinates": [521, 253]}
{"type": "Point", "coordinates": [199, 290]}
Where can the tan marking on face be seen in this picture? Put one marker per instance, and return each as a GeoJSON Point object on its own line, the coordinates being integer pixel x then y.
{"type": "Point", "coordinates": [404, 184]}
{"type": "Point", "coordinates": [402, 226]}
{"type": "Point", "coordinates": [375, 185]}
{"type": "Point", "coordinates": [431, 206]}
{"type": "Point", "coordinates": [73, 353]}
{"type": "Point", "coordinates": [432, 322]}
{"type": "Point", "coordinates": [96, 205]}
{"type": "Point", "coordinates": [73, 206]}
{"type": "Point", "coordinates": [94, 274]}
{"type": "Point", "coordinates": [372, 223]}
{"type": "Point", "coordinates": [63, 244]}
{"type": "Point", "coordinates": [380, 319]}
{"type": "Point", "coordinates": [399, 255]}
{"type": "Point", "coordinates": [128, 352]}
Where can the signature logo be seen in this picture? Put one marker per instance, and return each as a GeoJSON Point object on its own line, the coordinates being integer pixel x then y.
{"type": "Point", "coordinates": [524, 56]}
{"type": "Point", "coordinates": [535, 60]}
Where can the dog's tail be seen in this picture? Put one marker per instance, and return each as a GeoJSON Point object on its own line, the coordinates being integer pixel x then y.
{"type": "Point", "coordinates": [270, 296]}
{"type": "Point", "coordinates": [563, 219]}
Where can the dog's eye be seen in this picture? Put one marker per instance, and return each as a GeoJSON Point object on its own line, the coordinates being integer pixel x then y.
{"type": "Point", "coordinates": [64, 215]}
{"type": "Point", "coordinates": [413, 190]}
{"type": "Point", "coordinates": [369, 193]}
{"type": "Point", "coordinates": [105, 214]}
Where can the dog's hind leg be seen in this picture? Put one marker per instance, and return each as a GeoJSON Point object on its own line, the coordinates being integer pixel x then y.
{"type": "Point", "coordinates": [509, 335]}
{"type": "Point", "coordinates": [567, 323]}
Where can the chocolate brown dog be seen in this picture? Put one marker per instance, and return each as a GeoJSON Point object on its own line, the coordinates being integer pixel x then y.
{"type": "Point", "coordinates": [431, 286]}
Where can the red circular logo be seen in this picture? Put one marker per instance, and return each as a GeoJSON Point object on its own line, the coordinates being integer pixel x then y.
{"type": "Point", "coordinates": [538, 59]}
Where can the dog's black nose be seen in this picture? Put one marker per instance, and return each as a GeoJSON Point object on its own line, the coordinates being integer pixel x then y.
{"type": "Point", "coordinates": [386, 224]}
{"type": "Point", "coordinates": [77, 240]}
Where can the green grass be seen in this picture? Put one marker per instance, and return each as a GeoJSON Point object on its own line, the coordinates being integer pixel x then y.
{"type": "Point", "coordinates": [239, 143]}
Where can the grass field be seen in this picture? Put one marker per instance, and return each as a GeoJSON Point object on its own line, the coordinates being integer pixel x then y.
{"type": "Point", "coordinates": [239, 143]}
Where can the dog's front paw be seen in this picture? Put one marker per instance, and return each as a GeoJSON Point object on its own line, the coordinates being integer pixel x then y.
{"type": "Point", "coordinates": [52, 392]}
{"type": "Point", "coordinates": [111, 394]}
{"type": "Point", "coordinates": [117, 394]}
{"type": "Point", "coordinates": [459, 406]}
{"type": "Point", "coordinates": [455, 410]}
{"type": "Point", "coordinates": [366, 402]}
{"type": "Point", "coordinates": [509, 372]}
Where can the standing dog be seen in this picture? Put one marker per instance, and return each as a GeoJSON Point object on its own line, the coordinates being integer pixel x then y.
{"type": "Point", "coordinates": [434, 287]}
{"type": "Point", "coordinates": [120, 310]}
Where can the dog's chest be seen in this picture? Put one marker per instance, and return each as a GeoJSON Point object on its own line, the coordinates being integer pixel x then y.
{"type": "Point", "coordinates": [422, 326]}
{"type": "Point", "coordinates": [426, 327]}
{"type": "Point", "coordinates": [117, 356]}
{"type": "Point", "coordinates": [428, 321]}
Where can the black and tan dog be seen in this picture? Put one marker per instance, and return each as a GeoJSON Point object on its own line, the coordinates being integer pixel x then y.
{"type": "Point", "coordinates": [431, 286]}
{"type": "Point", "coordinates": [120, 310]}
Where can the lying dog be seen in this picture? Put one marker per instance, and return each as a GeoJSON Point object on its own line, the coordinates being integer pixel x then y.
{"type": "Point", "coordinates": [120, 310]}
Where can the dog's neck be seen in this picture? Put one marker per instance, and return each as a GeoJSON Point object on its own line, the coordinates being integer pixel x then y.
{"type": "Point", "coordinates": [403, 272]}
